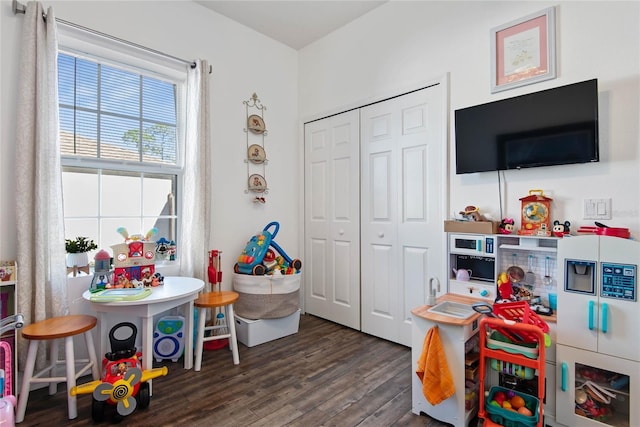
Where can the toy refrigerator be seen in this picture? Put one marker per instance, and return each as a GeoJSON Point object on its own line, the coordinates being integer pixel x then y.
{"type": "Point", "coordinates": [598, 341]}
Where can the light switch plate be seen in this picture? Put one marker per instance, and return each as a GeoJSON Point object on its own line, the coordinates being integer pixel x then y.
{"type": "Point", "coordinates": [597, 209]}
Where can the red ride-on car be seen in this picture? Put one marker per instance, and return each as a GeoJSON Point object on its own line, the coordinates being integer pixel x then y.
{"type": "Point", "coordinates": [124, 383]}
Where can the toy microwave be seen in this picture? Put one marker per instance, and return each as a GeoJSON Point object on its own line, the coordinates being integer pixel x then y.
{"type": "Point", "coordinates": [471, 244]}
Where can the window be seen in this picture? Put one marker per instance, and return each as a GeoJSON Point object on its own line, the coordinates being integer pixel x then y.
{"type": "Point", "coordinates": [120, 136]}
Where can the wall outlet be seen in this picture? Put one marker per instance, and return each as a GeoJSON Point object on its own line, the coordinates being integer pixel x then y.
{"type": "Point", "coordinates": [597, 209]}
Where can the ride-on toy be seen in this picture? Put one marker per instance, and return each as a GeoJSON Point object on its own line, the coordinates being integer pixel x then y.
{"type": "Point", "coordinates": [253, 255]}
{"type": "Point", "coordinates": [123, 382]}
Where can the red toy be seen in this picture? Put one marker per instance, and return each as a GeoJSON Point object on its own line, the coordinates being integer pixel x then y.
{"type": "Point", "coordinates": [559, 230]}
{"type": "Point", "coordinates": [123, 382]}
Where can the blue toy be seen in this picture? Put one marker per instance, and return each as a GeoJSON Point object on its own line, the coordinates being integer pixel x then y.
{"type": "Point", "coordinates": [251, 261]}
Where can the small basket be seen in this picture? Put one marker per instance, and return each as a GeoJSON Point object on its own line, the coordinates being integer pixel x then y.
{"type": "Point", "coordinates": [508, 418]}
{"type": "Point", "coordinates": [497, 341]}
{"type": "Point", "coordinates": [519, 311]}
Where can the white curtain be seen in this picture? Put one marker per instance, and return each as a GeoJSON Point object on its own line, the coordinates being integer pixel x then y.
{"type": "Point", "coordinates": [42, 274]}
{"type": "Point", "coordinates": [196, 195]}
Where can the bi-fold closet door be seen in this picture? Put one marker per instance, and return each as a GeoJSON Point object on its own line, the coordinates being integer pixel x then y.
{"type": "Point", "coordinates": [374, 192]}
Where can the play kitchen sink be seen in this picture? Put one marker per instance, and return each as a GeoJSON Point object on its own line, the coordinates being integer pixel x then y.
{"type": "Point", "coordinates": [453, 309]}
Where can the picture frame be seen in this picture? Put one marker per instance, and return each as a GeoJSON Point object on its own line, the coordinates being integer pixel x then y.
{"type": "Point", "coordinates": [524, 51]}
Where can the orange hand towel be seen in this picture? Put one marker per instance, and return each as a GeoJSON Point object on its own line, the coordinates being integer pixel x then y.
{"type": "Point", "coordinates": [433, 371]}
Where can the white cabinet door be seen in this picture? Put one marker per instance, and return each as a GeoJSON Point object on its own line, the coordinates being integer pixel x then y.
{"type": "Point", "coordinates": [577, 314]}
{"type": "Point", "coordinates": [403, 149]}
{"type": "Point", "coordinates": [575, 367]}
{"type": "Point", "coordinates": [619, 315]}
{"type": "Point", "coordinates": [332, 219]}
{"type": "Point", "coordinates": [604, 320]}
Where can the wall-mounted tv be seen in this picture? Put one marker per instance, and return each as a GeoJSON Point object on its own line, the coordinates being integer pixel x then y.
{"type": "Point", "coordinates": [557, 126]}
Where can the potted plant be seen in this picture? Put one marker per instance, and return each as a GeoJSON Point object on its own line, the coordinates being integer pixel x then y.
{"type": "Point", "coordinates": [77, 251]}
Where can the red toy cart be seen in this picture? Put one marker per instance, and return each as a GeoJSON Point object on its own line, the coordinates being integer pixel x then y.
{"type": "Point", "coordinates": [529, 362]}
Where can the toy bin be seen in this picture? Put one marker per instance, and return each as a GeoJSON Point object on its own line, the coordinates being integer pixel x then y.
{"type": "Point", "coordinates": [509, 418]}
{"type": "Point", "coordinates": [256, 332]}
{"type": "Point", "coordinates": [266, 297]}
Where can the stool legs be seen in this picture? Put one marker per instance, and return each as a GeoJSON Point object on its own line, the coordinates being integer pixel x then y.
{"type": "Point", "coordinates": [70, 359]}
{"type": "Point", "coordinates": [70, 372]}
{"type": "Point", "coordinates": [202, 329]}
{"type": "Point", "coordinates": [202, 319]}
{"type": "Point", "coordinates": [95, 366]}
{"type": "Point", "coordinates": [233, 342]}
{"type": "Point", "coordinates": [26, 381]}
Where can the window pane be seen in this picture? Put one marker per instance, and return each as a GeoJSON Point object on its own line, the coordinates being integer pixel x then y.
{"type": "Point", "coordinates": [119, 138]}
{"type": "Point", "coordinates": [158, 101]}
{"type": "Point", "coordinates": [120, 91]}
{"type": "Point", "coordinates": [165, 226]}
{"type": "Point", "coordinates": [80, 193]}
{"type": "Point", "coordinates": [158, 196]}
{"type": "Point", "coordinates": [67, 126]}
{"type": "Point", "coordinates": [87, 84]}
{"type": "Point", "coordinates": [110, 226]}
{"type": "Point", "coordinates": [66, 79]}
{"type": "Point", "coordinates": [121, 195]}
{"type": "Point", "coordinates": [159, 144]}
{"type": "Point", "coordinates": [86, 134]}
{"type": "Point", "coordinates": [87, 227]}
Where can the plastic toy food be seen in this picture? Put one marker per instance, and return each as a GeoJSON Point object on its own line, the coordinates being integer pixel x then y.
{"type": "Point", "coordinates": [524, 411]}
{"type": "Point", "coordinates": [517, 402]}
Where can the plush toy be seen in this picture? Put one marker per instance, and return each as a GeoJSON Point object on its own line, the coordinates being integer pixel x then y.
{"type": "Point", "coordinates": [506, 226]}
{"type": "Point", "coordinates": [472, 213]}
{"type": "Point", "coordinates": [559, 230]}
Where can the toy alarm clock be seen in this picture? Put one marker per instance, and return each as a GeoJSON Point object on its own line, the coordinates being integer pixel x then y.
{"type": "Point", "coordinates": [535, 214]}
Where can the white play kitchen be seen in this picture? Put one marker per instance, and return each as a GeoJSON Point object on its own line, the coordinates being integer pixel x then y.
{"type": "Point", "coordinates": [598, 350]}
{"type": "Point", "coordinates": [592, 367]}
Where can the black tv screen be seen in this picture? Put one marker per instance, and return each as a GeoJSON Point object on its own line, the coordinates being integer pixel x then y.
{"type": "Point", "coordinates": [557, 126]}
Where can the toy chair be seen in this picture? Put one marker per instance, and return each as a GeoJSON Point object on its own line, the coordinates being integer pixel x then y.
{"type": "Point", "coordinates": [52, 330]}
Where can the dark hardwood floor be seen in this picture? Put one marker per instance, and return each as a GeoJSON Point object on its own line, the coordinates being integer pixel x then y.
{"type": "Point", "coordinates": [325, 375]}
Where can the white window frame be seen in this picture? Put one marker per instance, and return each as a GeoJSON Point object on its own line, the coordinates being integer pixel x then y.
{"type": "Point", "coordinates": [111, 52]}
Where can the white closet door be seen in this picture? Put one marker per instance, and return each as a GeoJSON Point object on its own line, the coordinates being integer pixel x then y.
{"type": "Point", "coordinates": [403, 185]}
{"type": "Point", "coordinates": [332, 219]}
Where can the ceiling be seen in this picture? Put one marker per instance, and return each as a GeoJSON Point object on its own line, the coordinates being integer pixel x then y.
{"type": "Point", "coordinates": [295, 23]}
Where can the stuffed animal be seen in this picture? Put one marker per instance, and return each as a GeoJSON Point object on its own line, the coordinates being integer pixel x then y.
{"type": "Point", "coordinates": [472, 213]}
{"type": "Point", "coordinates": [506, 226]}
{"type": "Point", "coordinates": [559, 230]}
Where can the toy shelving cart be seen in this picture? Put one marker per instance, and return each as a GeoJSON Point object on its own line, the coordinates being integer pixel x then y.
{"type": "Point", "coordinates": [509, 358]}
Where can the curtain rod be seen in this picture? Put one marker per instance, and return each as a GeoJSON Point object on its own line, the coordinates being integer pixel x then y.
{"type": "Point", "coordinates": [20, 8]}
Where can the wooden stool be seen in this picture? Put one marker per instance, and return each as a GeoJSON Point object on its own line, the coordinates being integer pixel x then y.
{"type": "Point", "coordinates": [51, 330]}
{"type": "Point", "coordinates": [212, 300]}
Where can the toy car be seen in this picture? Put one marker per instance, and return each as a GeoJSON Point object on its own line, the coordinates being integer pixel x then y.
{"type": "Point", "coordinates": [251, 261]}
{"type": "Point", "coordinates": [124, 383]}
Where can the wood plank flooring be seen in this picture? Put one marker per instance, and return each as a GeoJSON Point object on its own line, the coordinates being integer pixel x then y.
{"type": "Point", "coordinates": [325, 375]}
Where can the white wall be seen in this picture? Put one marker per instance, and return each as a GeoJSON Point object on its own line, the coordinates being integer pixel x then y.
{"type": "Point", "coordinates": [403, 43]}
{"type": "Point", "coordinates": [244, 62]}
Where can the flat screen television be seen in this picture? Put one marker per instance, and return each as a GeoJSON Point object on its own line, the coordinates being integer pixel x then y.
{"type": "Point", "coordinates": [557, 126]}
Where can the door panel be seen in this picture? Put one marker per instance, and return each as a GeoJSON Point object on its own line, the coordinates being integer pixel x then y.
{"type": "Point", "coordinates": [374, 197]}
{"type": "Point", "coordinates": [332, 215]}
{"type": "Point", "coordinates": [402, 146]}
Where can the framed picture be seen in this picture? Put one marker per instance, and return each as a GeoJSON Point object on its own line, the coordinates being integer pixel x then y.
{"type": "Point", "coordinates": [524, 51]}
